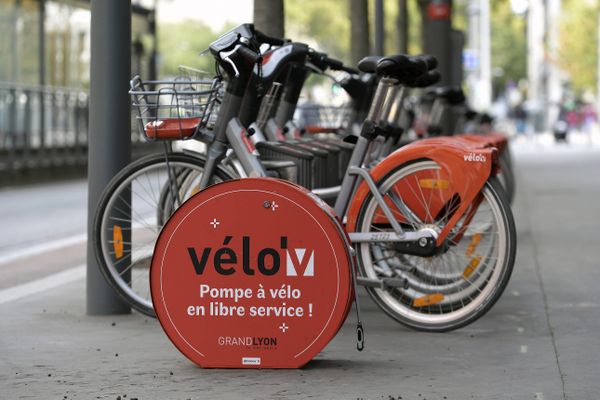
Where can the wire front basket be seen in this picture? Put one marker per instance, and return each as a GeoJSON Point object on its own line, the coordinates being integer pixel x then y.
{"type": "Point", "coordinates": [174, 109]}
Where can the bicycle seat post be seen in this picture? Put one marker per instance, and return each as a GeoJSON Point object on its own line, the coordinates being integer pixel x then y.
{"type": "Point", "coordinates": [368, 133]}
{"type": "Point", "coordinates": [381, 95]}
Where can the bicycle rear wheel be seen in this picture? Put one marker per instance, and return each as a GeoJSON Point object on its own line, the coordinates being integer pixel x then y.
{"type": "Point", "coordinates": [130, 214]}
{"type": "Point", "coordinates": [451, 289]}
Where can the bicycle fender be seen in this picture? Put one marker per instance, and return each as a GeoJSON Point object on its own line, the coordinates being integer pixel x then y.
{"type": "Point", "coordinates": [467, 167]}
{"type": "Point", "coordinates": [497, 140]}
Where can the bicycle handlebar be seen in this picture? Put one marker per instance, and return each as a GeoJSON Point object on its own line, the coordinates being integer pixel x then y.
{"type": "Point", "coordinates": [270, 40]}
{"type": "Point", "coordinates": [249, 54]}
{"type": "Point", "coordinates": [323, 61]}
{"type": "Point", "coordinates": [338, 65]}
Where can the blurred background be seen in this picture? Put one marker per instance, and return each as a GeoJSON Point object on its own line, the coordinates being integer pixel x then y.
{"type": "Point", "coordinates": [529, 62]}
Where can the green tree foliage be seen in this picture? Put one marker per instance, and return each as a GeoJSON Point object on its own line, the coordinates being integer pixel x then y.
{"type": "Point", "coordinates": [391, 31]}
{"type": "Point", "coordinates": [322, 23]}
{"type": "Point", "coordinates": [326, 25]}
{"type": "Point", "coordinates": [578, 43]}
{"type": "Point", "coordinates": [181, 44]}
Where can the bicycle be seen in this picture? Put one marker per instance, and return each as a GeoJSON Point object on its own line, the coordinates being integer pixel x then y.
{"type": "Point", "coordinates": [380, 222]}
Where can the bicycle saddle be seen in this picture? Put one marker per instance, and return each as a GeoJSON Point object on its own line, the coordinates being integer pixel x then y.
{"type": "Point", "coordinates": [404, 67]}
{"type": "Point", "coordinates": [471, 115]}
{"type": "Point", "coordinates": [453, 95]}
{"type": "Point", "coordinates": [369, 64]}
{"type": "Point", "coordinates": [416, 71]}
{"type": "Point", "coordinates": [425, 80]}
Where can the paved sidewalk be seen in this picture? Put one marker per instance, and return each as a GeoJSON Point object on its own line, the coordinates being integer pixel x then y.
{"type": "Point", "coordinates": [540, 341]}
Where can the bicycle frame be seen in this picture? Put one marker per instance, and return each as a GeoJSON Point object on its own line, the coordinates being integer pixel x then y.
{"type": "Point", "coordinates": [235, 137]}
{"type": "Point", "coordinates": [400, 244]}
{"type": "Point", "coordinates": [358, 182]}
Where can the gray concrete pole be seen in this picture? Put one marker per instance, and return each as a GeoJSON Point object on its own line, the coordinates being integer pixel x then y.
{"type": "Point", "coordinates": [269, 17]}
{"type": "Point", "coordinates": [473, 66]}
{"type": "Point", "coordinates": [379, 28]}
{"type": "Point", "coordinates": [456, 63]}
{"type": "Point", "coordinates": [359, 30]}
{"type": "Point", "coordinates": [109, 142]}
{"type": "Point", "coordinates": [535, 61]}
{"type": "Point", "coordinates": [554, 91]}
{"type": "Point", "coordinates": [485, 57]}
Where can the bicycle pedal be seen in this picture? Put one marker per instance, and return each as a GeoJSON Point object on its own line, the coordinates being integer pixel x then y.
{"type": "Point", "coordinates": [382, 283]}
{"type": "Point", "coordinates": [394, 283]}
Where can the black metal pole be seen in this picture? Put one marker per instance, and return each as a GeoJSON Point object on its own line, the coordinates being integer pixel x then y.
{"type": "Point", "coordinates": [109, 132]}
{"type": "Point", "coordinates": [379, 28]}
{"type": "Point", "coordinates": [437, 32]}
{"type": "Point", "coordinates": [402, 26]}
{"type": "Point", "coordinates": [152, 72]}
{"type": "Point", "coordinates": [359, 30]}
{"type": "Point", "coordinates": [42, 72]}
{"type": "Point", "coordinates": [456, 67]}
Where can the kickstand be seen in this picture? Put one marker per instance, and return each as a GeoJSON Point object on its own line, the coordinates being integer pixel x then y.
{"type": "Point", "coordinates": [360, 332]}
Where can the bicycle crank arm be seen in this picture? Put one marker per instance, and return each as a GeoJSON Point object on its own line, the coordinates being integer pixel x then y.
{"type": "Point", "coordinates": [385, 283]}
{"type": "Point", "coordinates": [358, 237]}
{"type": "Point", "coordinates": [421, 243]}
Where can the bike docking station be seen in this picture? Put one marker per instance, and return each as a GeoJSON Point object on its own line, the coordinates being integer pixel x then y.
{"type": "Point", "coordinates": [252, 273]}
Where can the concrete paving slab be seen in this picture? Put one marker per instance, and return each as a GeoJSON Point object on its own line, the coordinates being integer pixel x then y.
{"type": "Point", "coordinates": [539, 341]}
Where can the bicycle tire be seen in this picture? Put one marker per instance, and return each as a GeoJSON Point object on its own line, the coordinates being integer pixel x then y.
{"type": "Point", "coordinates": [479, 291]}
{"type": "Point", "coordinates": [508, 175]}
{"type": "Point", "coordinates": [114, 244]}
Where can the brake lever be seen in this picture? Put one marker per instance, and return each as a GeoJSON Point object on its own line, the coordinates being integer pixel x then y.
{"type": "Point", "coordinates": [225, 57]}
{"type": "Point", "coordinates": [319, 71]}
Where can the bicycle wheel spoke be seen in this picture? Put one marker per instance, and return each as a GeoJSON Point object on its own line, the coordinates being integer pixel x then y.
{"type": "Point", "coordinates": [448, 287]}
{"type": "Point", "coordinates": [135, 207]}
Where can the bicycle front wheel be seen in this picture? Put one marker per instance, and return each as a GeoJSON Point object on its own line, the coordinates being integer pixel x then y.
{"type": "Point", "coordinates": [130, 214]}
{"type": "Point", "coordinates": [459, 284]}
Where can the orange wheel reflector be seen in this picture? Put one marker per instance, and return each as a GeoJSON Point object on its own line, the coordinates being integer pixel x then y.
{"type": "Point", "coordinates": [428, 300]}
{"type": "Point", "coordinates": [118, 241]}
{"type": "Point", "coordinates": [472, 265]}
{"type": "Point", "coordinates": [473, 245]}
{"type": "Point", "coordinates": [434, 183]}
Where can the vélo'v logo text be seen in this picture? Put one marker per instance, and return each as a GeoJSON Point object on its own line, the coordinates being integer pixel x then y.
{"type": "Point", "coordinates": [226, 261]}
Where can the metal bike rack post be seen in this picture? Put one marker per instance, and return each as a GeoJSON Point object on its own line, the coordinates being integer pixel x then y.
{"type": "Point", "coordinates": [109, 144]}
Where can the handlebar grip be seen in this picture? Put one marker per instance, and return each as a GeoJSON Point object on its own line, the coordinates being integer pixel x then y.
{"type": "Point", "coordinates": [350, 70]}
{"type": "Point", "coordinates": [338, 65]}
{"type": "Point", "coordinates": [334, 64]}
{"type": "Point", "coordinates": [273, 41]}
{"type": "Point", "coordinates": [369, 64]}
{"type": "Point", "coordinates": [249, 54]}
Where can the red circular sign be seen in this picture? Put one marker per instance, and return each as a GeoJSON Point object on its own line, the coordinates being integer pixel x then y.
{"type": "Point", "coordinates": [439, 10]}
{"type": "Point", "coordinates": [252, 273]}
